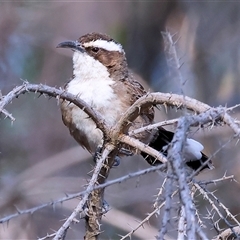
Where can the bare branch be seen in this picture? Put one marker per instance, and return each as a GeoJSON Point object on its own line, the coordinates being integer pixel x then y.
{"type": "Point", "coordinates": [231, 123]}
{"type": "Point", "coordinates": [155, 211]}
{"type": "Point", "coordinates": [153, 126]}
{"type": "Point", "coordinates": [152, 99]}
{"type": "Point", "coordinates": [57, 93]}
{"type": "Point", "coordinates": [143, 222]}
{"type": "Point", "coordinates": [114, 137]}
{"type": "Point", "coordinates": [160, 192]}
{"type": "Point", "coordinates": [172, 56]}
{"type": "Point", "coordinates": [168, 203]}
{"type": "Point", "coordinates": [215, 181]}
{"type": "Point", "coordinates": [8, 115]}
{"type": "Point", "coordinates": [62, 231]}
{"type": "Point", "coordinates": [181, 224]}
{"type": "Point", "coordinates": [233, 107]}
{"type": "Point", "coordinates": [229, 233]}
{"type": "Point", "coordinates": [175, 159]}
{"type": "Point", "coordinates": [47, 236]}
{"type": "Point", "coordinates": [80, 194]}
{"type": "Point", "coordinates": [205, 194]}
{"type": "Point", "coordinates": [142, 147]}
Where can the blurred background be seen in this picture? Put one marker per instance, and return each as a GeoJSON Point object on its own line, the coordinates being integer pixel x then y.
{"type": "Point", "coordinates": [40, 162]}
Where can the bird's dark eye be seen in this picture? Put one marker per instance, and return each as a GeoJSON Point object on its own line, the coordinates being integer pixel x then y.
{"type": "Point", "coordinates": [95, 49]}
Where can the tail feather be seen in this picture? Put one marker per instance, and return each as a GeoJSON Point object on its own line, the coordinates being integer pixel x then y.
{"type": "Point", "coordinates": [194, 158]}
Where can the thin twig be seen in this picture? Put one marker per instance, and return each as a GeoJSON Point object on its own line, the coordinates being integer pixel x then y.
{"type": "Point", "coordinates": [175, 159]}
{"type": "Point", "coordinates": [153, 126]}
{"type": "Point", "coordinates": [142, 222]}
{"type": "Point", "coordinates": [152, 99]}
{"type": "Point", "coordinates": [155, 211]}
{"type": "Point", "coordinates": [47, 236]}
{"type": "Point", "coordinates": [80, 194]}
{"type": "Point", "coordinates": [172, 57]}
{"type": "Point", "coordinates": [8, 115]}
{"type": "Point", "coordinates": [142, 147]}
{"type": "Point", "coordinates": [156, 203]}
{"type": "Point", "coordinates": [168, 203]}
{"type": "Point", "coordinates": [233, 107]}
{"type": "Point", "coordinates": [181, 224]}
{"type": "Point", "coordinates": [215, 181]}
{"type": "Point", "coordinates": [205, 193]}
{"type": "Point", "coordinates": [62, 230]}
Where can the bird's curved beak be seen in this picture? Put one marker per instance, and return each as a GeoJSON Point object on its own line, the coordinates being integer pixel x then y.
{"type": "Point", "coordinates": [74, 45]}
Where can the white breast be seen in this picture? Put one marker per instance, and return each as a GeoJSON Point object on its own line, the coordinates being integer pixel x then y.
{"type": "Point", "coordinates": [92, 84]}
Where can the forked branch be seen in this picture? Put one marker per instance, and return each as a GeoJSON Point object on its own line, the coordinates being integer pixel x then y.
{"type": "Point", "coordinates": [92, 198]}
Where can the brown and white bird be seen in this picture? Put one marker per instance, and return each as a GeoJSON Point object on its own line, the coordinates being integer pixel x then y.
{"type": "Point", "coordinates": [101, 78]}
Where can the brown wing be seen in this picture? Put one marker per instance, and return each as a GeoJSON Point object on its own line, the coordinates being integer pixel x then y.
{"type": "Point", "coordinates": [130, 91]}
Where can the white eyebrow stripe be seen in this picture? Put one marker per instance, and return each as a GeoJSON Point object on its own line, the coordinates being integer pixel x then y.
{"type": "Point", "coordinates": [107, 45]}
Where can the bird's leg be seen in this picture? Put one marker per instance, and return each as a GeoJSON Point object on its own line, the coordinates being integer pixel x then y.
{"type": "Point", "coordinates": [116, 161]}
{"type": "Point", "coordinates": [126, 152]}
{"type": "Point", "coordinates": [98, 153]}
{"type": "Point", "coordinates": [105, 208]}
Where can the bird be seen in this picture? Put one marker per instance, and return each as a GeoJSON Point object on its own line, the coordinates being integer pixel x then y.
{"type": "Point", "coordinates": [102, 79]}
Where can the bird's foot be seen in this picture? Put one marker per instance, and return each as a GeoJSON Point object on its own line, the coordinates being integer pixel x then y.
{"type": "Point", "coordinates": [84, 213]}
{"type": "Point", "coordinates": [116, 161]}
{"type": "Point", "coordinates": [98, 153]}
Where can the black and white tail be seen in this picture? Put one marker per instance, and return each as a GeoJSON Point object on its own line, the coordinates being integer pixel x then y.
{"type": "Point", "coordinates": [193, 155]}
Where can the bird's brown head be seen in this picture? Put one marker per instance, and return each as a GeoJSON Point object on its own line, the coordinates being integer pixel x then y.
{"type": "Point", "coordinates": [95, 48]}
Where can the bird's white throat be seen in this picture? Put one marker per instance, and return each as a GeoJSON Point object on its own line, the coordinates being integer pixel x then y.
{"type": "Point", "coordinates": [86, 68]}
{"type": "Point", "coordinates": [92, 84]}
{"type": "Point", "coordinates": [91, 81]}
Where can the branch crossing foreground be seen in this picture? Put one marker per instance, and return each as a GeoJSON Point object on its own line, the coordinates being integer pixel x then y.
{"type": "Point", "coordinates": [179, 183]}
